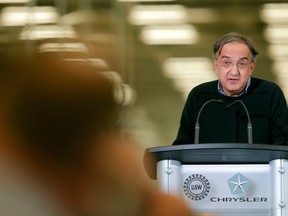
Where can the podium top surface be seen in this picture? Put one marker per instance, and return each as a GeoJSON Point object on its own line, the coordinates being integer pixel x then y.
{"type": "Point", "coordinates": [214, 153]}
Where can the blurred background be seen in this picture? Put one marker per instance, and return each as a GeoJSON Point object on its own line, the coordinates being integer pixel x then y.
{"type": "Point", "coordinates": [155, 50]}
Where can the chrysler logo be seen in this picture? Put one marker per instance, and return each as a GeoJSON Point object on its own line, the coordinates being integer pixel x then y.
{"type": "Point", "coordinates": [238, 184]}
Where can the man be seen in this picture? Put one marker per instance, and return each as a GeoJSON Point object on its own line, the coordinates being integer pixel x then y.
{"type": "Point", "coordinates": [234, 61]}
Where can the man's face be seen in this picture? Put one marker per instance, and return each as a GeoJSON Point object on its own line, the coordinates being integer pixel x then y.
{"type": "Point", "coordinates": [233, 67]}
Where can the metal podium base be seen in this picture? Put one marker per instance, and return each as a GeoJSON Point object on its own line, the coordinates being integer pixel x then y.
{"type": "Point", "coordinates": [225, 179]}
{"type": "Point", "coordinates": [229, 189]}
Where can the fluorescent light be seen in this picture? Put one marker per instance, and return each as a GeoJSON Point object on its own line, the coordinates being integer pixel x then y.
{"type": "Point", "coordinates": [276, 33]}
{"type": "Point", "coordinates": [21, 16]}
{"type": "Point", "coordinates": [280, 69]}
{"type": "Point", "coordinates": [47, 31]}
{"type": "Point", "coordinates": [157, 14]}
{"type": "Point", "coordinates": [169, 34]}
{"type": "Point", "coordinates": [13, 1]}
{"type": "Point", "coordinates": [124, 94]}
{"type": "Point", "coordinates": [176, 67]}
{"type": "Point", "coordinates": [274, 13]}
{"type": "Point", "coordinates": [63, 47]}
{"type": "Point", "coordinates": [278, 51]}
{"type": "Point", "coordinates": [186, 73]}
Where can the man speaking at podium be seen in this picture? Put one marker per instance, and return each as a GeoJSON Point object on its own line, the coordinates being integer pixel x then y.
{"type": "Point", "coordinates": [228, 108]}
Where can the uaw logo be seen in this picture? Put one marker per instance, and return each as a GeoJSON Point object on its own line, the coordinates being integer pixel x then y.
{"type": "Point", "coordinates": [196, 187]}
{"type": "Point", "coordinates": [238, 184]}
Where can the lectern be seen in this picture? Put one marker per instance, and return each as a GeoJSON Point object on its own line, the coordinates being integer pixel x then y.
{"type": "Point", "coordinates": [225, 179]}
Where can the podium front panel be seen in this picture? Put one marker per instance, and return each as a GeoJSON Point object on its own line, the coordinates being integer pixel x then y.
{"type": "Point", "coordinates": [227, 189]}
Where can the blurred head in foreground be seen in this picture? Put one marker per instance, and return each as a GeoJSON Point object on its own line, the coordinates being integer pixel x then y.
{"type": "Point", "coordinates": [59, 152]}
{"type": "Point", "coordinates": [58, 106]}
{"type": "Point", "coordinates": [54, 113]}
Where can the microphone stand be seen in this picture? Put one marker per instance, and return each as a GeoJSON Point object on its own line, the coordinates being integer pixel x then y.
{"type": "Point", "coordinates": [197, 125]}
{"type": "Point", "coordinates": [249, 124]}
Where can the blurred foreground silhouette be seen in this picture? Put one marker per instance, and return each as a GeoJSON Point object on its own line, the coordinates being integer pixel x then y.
{"type": "Point", "coordinates": [60, 150]}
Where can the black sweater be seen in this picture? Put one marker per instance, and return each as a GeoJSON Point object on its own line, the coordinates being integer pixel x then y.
{"type": "Point", "coordinates": [265, 103]}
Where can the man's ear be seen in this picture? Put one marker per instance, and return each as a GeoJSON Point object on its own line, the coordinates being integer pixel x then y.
{"type": "Point", "coordinates": [252, 66]}
{"type": "Point", "coordinates": [215, 64]}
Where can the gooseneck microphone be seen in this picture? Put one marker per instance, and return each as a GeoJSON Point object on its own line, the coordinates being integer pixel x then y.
{"type": "Point", "coordinates": [249, 124]}
{"type": "Point", "coordinates": [197, 125]}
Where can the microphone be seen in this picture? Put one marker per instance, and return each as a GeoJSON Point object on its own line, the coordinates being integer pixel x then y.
{"type": "Point", "coordinates": [197, 125]}
{"type": "Point", "coordinates": [249, 125]}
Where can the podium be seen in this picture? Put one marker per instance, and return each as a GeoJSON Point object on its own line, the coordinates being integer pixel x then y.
{"type": "Point", "coordinates": [225, 179]}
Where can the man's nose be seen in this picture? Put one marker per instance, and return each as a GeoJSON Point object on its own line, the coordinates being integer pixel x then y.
{"type": "Point", "coordinates": [234, 69]}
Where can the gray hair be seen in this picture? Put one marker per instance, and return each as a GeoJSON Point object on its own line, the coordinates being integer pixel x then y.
{"type": "Point", "coordinates": [234, 37]}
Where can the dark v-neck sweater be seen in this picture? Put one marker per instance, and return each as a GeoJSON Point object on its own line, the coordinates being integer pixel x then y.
{"type": "Point", "coordinates": [265, 103]}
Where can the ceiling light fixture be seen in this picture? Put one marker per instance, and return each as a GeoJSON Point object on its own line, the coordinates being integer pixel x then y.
{"type": "Point", "coordinates": [278, 51]}
{"type": "Point", "coordinates": [13, 1]}
{"type": "Point", "coordinates": [188, 72]}
{"type": "Point", "coordinates": [276, 33]}
{"type": "Point", "coordinates": [169, 34]}
{"type": "Point", "coordinates": [158, 14]}
{"type": "Point", "coordinates": [39, 32]}
{"type": "Point", "coordinates": [274, 13]}
{"type": "Point", "coordinates": [63, 47]}
{"type": "Point", "coordinates": [21, 16]}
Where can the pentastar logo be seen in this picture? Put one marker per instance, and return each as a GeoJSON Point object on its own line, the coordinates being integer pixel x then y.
{"type": "Point", "coordinates": [238, 184]}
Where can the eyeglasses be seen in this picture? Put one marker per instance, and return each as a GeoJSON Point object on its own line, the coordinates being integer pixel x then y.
{"type": "Point", "coordinates": [241, 65]}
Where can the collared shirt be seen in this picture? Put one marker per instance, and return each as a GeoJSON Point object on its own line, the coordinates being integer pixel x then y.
{"type": "Point", "coordinates": [221, 91]}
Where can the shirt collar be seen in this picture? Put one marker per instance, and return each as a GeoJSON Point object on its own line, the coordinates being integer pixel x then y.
{"type": "Point", "coordinates": [220, 88]}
